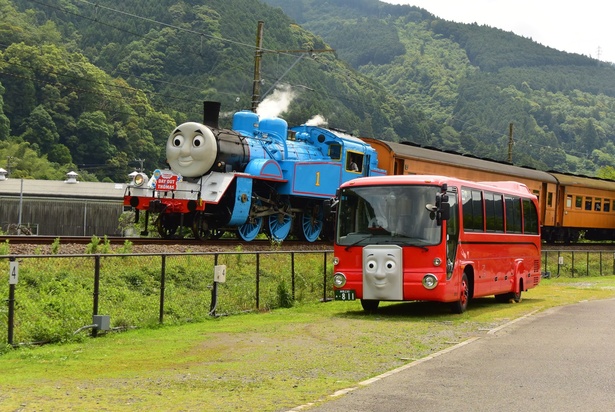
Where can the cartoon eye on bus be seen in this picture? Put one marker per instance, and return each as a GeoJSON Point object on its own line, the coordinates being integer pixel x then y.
{"type": "Point", "coordinates": [434, 238]}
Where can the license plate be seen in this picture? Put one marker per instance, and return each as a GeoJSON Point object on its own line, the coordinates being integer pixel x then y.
{"type": "Point", "coordinates": [345, 295]}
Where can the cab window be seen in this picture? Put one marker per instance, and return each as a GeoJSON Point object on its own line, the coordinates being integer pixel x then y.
{"type": "Point", "coordinates": [335, 152]}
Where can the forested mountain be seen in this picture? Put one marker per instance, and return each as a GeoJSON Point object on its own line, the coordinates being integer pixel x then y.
{"type": "Point", "coordinates": [98, 87]}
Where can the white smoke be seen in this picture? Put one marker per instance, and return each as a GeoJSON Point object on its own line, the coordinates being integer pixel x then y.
{"type": "Point", "coordinates": [277, 102]}
{"type": "Point", "coordinates": [317, 120]}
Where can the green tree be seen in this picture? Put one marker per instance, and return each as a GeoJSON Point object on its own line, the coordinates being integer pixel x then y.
{"type": "Point", "coordinates": [40, 130]}
{"type": "Point", "coordinates": [94, 133]}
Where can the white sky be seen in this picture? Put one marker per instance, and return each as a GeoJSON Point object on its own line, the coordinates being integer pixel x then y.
{"type": "Point", "coordinates": [585, 27]}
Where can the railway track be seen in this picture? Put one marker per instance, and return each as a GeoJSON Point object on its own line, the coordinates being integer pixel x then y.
{"type": "Point", "coordinates": [157, 244]}
{"type": "Point", "coordinates": [117, 240]}
{"type": "Point", "coordinates": [579, 246]}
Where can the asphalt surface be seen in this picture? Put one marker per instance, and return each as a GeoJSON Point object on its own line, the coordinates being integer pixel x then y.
{"type": "Point", "coordinates": [562, 359]}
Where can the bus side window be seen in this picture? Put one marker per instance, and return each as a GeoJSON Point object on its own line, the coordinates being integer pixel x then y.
{"type": "Point", "coordinates": [513, 214]}
{"type": "Point", "coordinates": [530, 217]}
{"type": "Point", "coordinates": [473, 214]}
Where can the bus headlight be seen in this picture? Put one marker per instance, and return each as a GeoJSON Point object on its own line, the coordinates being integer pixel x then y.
{"type": "Point", "coordinates": [336, 260]}
{"type": "Point", "coordinates": [437, 261]}
{"type": "Point", "coordinates": [430, 281]}
{"type": "Point", "coordinates": [339, 280]}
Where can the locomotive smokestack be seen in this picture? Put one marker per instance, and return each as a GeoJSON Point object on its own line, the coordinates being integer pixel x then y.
{"type": "Point", "coordinates": [211, 113]}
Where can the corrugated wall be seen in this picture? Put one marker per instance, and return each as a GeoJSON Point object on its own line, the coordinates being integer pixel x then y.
{"type": "Point", "coordinates": [63, 217]}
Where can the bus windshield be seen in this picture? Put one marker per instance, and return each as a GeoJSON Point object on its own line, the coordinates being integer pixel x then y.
{"type": "Point", "coordinates": [403, 215]}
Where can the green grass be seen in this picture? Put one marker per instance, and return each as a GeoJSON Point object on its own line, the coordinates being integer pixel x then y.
{"type": "Point", "coordinates": [266, 361]}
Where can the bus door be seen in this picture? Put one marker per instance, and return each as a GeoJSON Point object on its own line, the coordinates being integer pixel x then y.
{"type": "Point", "coordinates": [452, 233]}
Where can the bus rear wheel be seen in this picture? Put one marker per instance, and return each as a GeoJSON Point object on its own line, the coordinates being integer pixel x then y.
{"type": "Point", "coordinates": [460, 305]}
{"type": "Point", "coordinates": [370, 305]}
{"type": "Point", "coordinates": [507, 297]}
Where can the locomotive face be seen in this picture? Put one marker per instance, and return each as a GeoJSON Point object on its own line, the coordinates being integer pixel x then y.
{"type": "Point", "coordinates": [191, 149]}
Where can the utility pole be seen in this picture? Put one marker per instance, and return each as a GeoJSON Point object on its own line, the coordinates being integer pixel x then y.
{"type": "Point", "coordinates": [510, 142]}
{"type": "Point", "coordinates": [258, 54]}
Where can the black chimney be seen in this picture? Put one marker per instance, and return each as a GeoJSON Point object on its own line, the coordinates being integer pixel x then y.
{"type": "Point", "coordinates": [211, 113]}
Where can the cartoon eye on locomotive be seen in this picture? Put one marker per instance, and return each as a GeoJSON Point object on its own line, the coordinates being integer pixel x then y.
{"type": "Point", "coordinates": [259, 177]}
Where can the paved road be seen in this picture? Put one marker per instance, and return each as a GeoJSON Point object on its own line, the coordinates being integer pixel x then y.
{"type": "Point", "coordinates": [562, 359]}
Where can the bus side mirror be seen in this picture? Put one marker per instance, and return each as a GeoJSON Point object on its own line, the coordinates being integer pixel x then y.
{"type": "Point", "coordinates": [445, 212]}
{"type": "Point", "coordinates": [443, 208]}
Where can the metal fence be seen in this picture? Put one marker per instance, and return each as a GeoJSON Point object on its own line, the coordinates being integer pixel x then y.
{"type": "Point", "coordinates": [577, 263]}
{"type": "Point", "coordinates": [54, 298]}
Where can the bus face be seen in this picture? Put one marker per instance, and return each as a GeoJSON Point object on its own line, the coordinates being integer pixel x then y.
{"type": "Point", "coordinates": [434, 238]}
{"type": "Point", "coordinates": [390, 244]}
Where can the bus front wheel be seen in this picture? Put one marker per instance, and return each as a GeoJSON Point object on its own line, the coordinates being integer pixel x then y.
{"type": "Point", "coordinates": [369, 305]}
{"type": "Point", "coordinates": [460, 305]}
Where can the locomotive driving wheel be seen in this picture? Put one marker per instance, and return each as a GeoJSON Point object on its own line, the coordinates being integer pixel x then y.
{"type": "Point", "coordinates": [280, 223]}
{"type": "Point", "coordinates": [311, 223]}
{"type": "Point", "coordinates": [249, 230]}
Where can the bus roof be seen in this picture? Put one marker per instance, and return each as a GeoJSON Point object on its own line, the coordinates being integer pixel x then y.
{"type": "Point", "coordinates": [507, 187]}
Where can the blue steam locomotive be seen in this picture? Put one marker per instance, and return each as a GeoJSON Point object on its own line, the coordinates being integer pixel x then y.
{"type": "Point", "coordinates": [261, 176]}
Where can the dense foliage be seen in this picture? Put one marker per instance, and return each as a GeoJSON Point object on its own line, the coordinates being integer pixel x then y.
{"type": "Point", "coordinates": [98, 87]}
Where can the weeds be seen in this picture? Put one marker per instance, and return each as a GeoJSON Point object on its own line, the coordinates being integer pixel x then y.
{"type": "Point", "coordinates": [54, 297]}
{"type": "Point", "coordinates": [55, 246]}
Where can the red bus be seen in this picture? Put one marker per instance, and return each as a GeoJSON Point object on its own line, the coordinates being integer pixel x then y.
{"type": "Point", "coordinates": [434, 238]}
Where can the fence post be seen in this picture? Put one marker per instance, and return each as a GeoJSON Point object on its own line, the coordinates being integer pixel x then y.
{"type": "Point", "coordinates": [572, 270]}
{"type": "Point", "coordinates": [258, 273]}
{"type": "Point", "coordinates": [324, 277]}
{"type": "Point", "coordinates": [163, 270]}
{"type": "Point", "coordinates": [214, 291]}
{"type": "Point", "coordinates": [292, 272]}
{"type": "Point", "coordinates": [11, 303]}
{"type": "Point", "coordinates": [96, 290]}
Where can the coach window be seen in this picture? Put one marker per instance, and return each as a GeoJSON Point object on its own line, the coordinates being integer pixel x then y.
{"type": "Point", "coordinates": [513, 214]}
{"type": "Point", "coordinates": [578, 202]}
{"type": "Point", "coordinates": [588, 203]}
{"type": "Point", "coordinates": [472, 210]}
{"type": "Point", "coordinates": [598, 204]}
{"type": "Point", "coordinates": [607, 205]}
{"type": "Point", "coordinates": [530, 217]}
{"type": "Point", "coordinates": [494, 212]}
{"type": "Point", "coordinates": [550, 199]}
{"type": "Point", "coordinates": [569, 201]}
